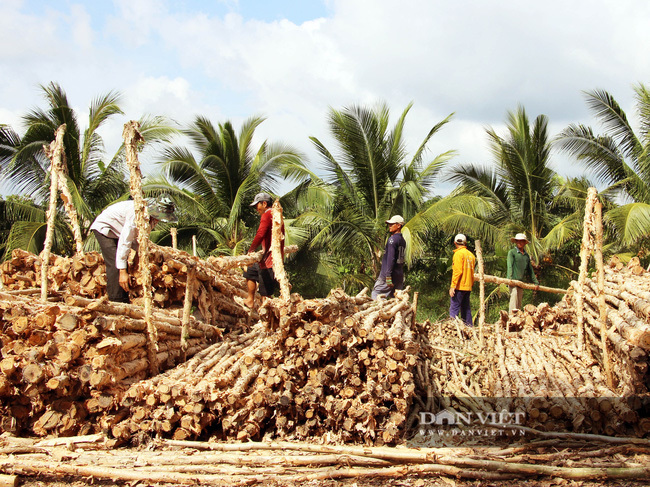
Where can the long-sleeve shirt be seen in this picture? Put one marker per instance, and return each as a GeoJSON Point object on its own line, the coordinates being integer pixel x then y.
{"type": "Point", "coordinates": [392, 263]}
{"type": "Point", "coordinates": [462, 276]}
{"type": "Point", "coordinates": [263, 238]}
{"type": "Point", "coordinates": [118, 221]}
{"type": "Point", "coordinates": [519, 266]}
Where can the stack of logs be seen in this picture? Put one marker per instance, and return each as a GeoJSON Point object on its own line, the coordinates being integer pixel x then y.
{"type": "Point", "coordinates": [627, 295]}
{"type": "Point", "coordinates": [69, 360]}
{"type": "Point", "coordinates": [62, 363]}
{"type": "Point", "coordinates": [532, 363]}
{"type": "Point", "coordinates": [217, 289]}
{"type": "Point", "coordinates": [340, 367]}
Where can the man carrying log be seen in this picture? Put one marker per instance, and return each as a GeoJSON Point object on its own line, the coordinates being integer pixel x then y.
{"type": "Point", "coordinates": [391, 276]}
{"type": "Point", "coordinates": [116, 233]}
{"type": "Point", "coordinates": [462, 280]}
{"type": "Point", "coordinates": [519, 265]}
{"type": "Point", "coordinates": [262, 272]}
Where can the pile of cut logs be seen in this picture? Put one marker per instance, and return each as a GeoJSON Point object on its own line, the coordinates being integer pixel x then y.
{"type": "Point", "coordinates": [214, 282]}
{"type": "Point", "coordinates": [531, 362]}
{"type": "Point", "coordinates": [627, 298]}
{"type": "Point", "coordinates": [63, 362]}
{"type": "Point", "coordinates": [340, 367]}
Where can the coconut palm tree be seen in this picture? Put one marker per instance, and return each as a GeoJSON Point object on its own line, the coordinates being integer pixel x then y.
{"type": "Point", "coordinates": [369, 179]}
{"type": "Point", "coordinates": [619, 158]}
{"type": "Point", "coordinates": [216, 178]}
{"type": "Point", "coordinates": [94, 181]}
{"type": "Point", "coordinates": [518, 193]}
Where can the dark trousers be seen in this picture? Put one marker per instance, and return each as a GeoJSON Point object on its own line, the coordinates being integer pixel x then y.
{"type": "Point", "coordinates": [460, 304]}
{"type": "Point", "coordinates": [109, 249]}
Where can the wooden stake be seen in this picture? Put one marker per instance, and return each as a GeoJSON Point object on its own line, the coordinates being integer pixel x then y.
{"type": "Point", "coordinates": [602, 305]}
{"type": "Point", "coordinates": [187, 307]}
{"type": "Point", "coordinates": [132, 137]}
{"type": "Point", "coordinates": [481, 281]}
{"type": "Point", "coordinates": [174, 233]}
{"type": "Point", "coordinates": [194, 245]}
{"type": "Point", "coordinates": [54, 152]}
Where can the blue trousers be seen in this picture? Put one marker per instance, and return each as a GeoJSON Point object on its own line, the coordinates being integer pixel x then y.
{"type": "Point", "coordinates": [460, 304]}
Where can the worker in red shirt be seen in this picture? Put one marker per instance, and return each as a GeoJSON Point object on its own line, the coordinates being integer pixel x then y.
{"type": "Point", "coordinates": [261, 273]}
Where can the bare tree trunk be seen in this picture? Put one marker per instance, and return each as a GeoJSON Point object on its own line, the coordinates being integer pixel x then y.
{"type": "Point", "coordinates": [54, 153]}
{"type": "Point", "coordinates": [132, 137]}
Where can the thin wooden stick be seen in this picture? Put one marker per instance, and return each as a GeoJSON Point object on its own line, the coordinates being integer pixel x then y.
{"type": "Point", "coordinates": [187, 306]}
{"type": "Point", "coordinates": [54, 153]}
{"type": "Point", "coordinates": [481, 281]}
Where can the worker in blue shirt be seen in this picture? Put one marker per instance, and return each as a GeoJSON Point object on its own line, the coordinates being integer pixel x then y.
{"type": "Point", "coordinates": [391, 276]}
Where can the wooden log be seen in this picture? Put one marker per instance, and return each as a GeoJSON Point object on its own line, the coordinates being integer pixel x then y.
{"type": "Point", "coordinates": [54, 152]}
{"type": "Point", "coordinates": [523, 285]}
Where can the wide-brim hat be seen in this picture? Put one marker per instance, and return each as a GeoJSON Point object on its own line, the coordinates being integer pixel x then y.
{"type": "Point", "coordinates": [162, 209]}
{"type": "Point", "coordinates": [519, 236]}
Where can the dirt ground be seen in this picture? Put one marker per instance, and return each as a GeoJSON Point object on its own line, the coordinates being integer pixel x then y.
{"type": "Point", "coordinates": [429, 481]}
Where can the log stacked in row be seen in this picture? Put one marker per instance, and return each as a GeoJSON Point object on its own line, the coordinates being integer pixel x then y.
{"type": "Point", "coordinates": [627, 296]}
{"type": "Point", "coordinates": [340, 367]}
{"type": "Point", "coordinates": [64, 363]}
{"type": "Point", "coordinates": [531, 362]}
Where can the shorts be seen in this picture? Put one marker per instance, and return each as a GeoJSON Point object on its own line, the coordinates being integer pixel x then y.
{"type": "Point", "coordinates": [264, 277]}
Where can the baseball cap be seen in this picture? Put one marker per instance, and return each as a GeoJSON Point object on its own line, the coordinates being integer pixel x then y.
{"type": "Point", "coordinates": [396, 219]}
{"type": "Point", "coordinates": [460, 238]}
{"type": "Point", "coordinates": [259, 197]}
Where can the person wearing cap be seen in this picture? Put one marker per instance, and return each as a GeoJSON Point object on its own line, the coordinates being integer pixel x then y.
{"type": "Point", "coordinates": [391, 276]}
{"type": "Point", "coordinates": [116, 233]}
{"type": "Point", "coordinates": [261, 273]}
{"type": "Point", "coordinates": [519, 267]}
{"type": "Point", "coordinates": [462, 280]}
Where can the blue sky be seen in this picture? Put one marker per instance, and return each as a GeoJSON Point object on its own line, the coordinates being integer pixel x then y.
{"type": "Point", "coordinates": [289, 61]}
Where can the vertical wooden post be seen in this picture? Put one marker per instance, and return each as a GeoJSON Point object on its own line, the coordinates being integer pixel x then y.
{"type": "Point", "coordinates": [174, 233]}
{"type": "Point", "coordinates": [481, 295]}
{"type": "Point", "coordinates": [54, 152]}
{"type": "Point", "coordinates": [194, 245]}
{"type": "Point", "coordinates": [585, 253]}
{"type": "Point", "coordinates": [277, 239]}
{"type": "Point", "coordinates": [187, 307]}
{"type": "Point", "coordinates": [602, 305]}
{"type": "Point", "coordinates": [132, 137]}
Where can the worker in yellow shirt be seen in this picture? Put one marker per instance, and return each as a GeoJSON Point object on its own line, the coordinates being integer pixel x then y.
{"type": "Point", "coordinates": [462, 280]}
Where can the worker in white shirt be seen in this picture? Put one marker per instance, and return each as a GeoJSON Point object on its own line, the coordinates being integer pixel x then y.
{"type": "Point", "coordinates": [116, 233]}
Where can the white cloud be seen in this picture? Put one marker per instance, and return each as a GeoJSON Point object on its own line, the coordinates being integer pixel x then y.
{"type": "Point", "coordinates": [477, 59]}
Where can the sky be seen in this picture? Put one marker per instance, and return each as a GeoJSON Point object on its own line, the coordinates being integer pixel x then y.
{"type": "Point", "coordinates": [290, 61]}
